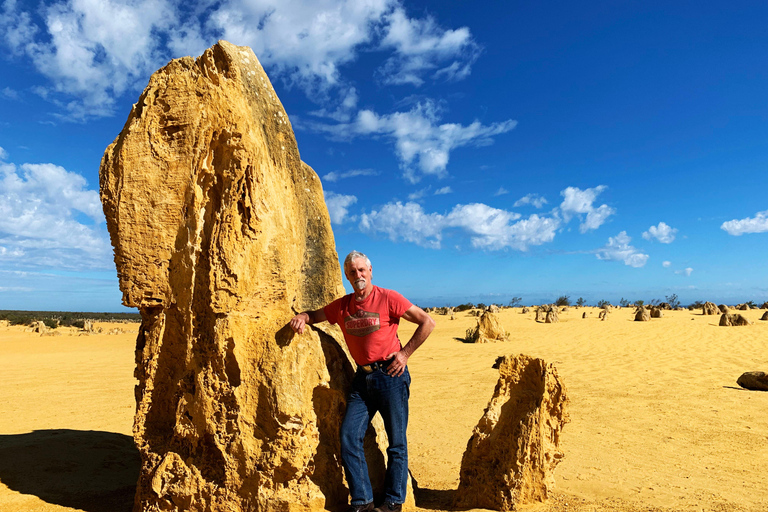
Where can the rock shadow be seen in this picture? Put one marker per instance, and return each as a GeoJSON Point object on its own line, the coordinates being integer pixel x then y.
{"type": "Point", "coordinates": [87, 470]}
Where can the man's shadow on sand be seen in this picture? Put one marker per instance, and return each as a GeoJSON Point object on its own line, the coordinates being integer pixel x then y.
{"type": "Point", "coordinates": [87, 470]}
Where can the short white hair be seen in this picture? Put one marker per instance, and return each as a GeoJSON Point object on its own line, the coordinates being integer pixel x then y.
{"type": "Point", "coordinates": [354, 255]}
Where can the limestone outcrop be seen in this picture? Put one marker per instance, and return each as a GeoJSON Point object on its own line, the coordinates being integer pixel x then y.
{"type": "Point", "coordinates": [221, 235]}
{"type": "Point", "coordinates": [487, 330]}
{"type": "Point", "coordinates": [515, 447]}
{"type": "Point", "coordinates": [710, 308]}
{"type": "Point", "coordinates": [642, 314]}
{"type": "Point", "coordinates": [733, 320]}
{"type": "Point", "coordinates": [765, 316]}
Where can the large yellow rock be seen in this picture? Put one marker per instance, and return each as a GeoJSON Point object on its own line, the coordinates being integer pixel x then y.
{"type": "Point", "coordinates": [221, 235]}
{"type": "Point", "coordinates": [515, 447]}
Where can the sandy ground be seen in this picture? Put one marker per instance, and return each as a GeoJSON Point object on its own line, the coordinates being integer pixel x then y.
{"type": "Point", "coordinates": [657, 420]}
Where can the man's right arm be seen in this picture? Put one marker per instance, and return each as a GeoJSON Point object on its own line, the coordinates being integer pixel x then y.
{"type": "Point", "coordinates": [301, 320]}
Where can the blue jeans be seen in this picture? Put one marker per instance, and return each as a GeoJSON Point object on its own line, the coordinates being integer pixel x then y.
{"type": "Point", "coordinates": [372, 392]}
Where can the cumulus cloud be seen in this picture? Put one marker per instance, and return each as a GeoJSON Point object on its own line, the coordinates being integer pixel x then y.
{"type": "Point", "coordinates": [422, 47]}
{"type": "Point", "coordinates": [756, 224]}
{"type": "Point", "coordinates": [94, 51]}
{"type": "Point", "coordinates": [533, 199]}
{"type": "Point", "coordinates": [618, 249]}
{"type": "Point", "coordinates": [488, 228]}
{"type": "Point", "coordinates": [666, 264]}
{"type": "Point", "coordinates": [354, 173]}
{"type": "Point", "coordinates": [338, 206]}
{"type": "Point", "coordinates": [686, 272]}
{"type": "Point", "coordinates": [422, 143]}
{"type": "Point", "coordinates": [577, 202]}
{"type": "Point", "coordinates": [663, 233]}
{"type": "Point", "coordinates": [48, 217]}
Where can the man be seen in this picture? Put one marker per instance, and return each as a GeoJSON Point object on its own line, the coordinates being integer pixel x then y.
{"type": "Point", "coordinates": [369, 318]}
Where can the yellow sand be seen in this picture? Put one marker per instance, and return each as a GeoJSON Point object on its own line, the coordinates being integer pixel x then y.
{"type": "Point", "coordinates": [657, 420]}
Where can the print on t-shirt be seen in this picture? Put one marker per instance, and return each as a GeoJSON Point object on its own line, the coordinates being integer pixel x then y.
{"type": "Point", "coordinates": [362, 323]}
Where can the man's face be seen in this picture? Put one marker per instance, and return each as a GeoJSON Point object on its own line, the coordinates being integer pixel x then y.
{"type": "Point", "coordinates": [358, 273]}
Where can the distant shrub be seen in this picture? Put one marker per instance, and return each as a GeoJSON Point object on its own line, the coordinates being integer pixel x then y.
{"type": "Point", "coordinates": [603, 303]}
{"type": "Point", "coordinates": [464, 307]}
{"type": "Point", "coordinates": [516, 301]}
{"type": "Point", "coordinates": [581, 301]}
{"type": "Point", "coordinates": [563, 300]}
{"type": "Point", "coordinates": [673, 300]}
{"type": "Point", "coordinates": [51, 323]}
{"type": "Point", "coordinates": [696, 305]}
{"type": "Point", "coordinates": [624, 302]}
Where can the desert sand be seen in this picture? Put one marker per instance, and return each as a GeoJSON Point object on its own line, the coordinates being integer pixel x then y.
{"type": "Point", "coordinates": [657, 420]}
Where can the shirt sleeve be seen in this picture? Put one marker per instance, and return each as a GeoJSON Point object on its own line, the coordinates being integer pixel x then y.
{"type": "Point", "coordinates": [332, 311]}
{"type": "Point", "coordinates": [398, 304]}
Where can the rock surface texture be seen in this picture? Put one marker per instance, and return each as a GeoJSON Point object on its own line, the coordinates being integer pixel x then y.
{"type": "Point", "coordinates": [221, 235]}
{"type": "Point", "coordinates": [515, 447]}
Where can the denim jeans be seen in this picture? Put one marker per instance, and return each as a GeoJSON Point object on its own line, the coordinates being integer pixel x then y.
{"type": "Point", "coordinates": [372, 392]}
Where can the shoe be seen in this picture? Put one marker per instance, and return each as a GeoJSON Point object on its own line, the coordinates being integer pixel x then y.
{"type": "Point", "coordinates": [389, 507]}
{"type": "Point", "coordinates": [361, 508]}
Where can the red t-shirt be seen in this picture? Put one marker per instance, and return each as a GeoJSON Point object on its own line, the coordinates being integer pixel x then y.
{"type": "Point", "coordinates": [369, 325]}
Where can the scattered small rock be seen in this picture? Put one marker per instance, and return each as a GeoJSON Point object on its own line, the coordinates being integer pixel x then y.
{"type": "Point", "coordinates": [755, 381]}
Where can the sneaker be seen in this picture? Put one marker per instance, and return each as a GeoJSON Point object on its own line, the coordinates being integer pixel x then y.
{"type": "Point", "coordinates": [389, 507]}
{"type": "Point", "coordinates": [361, 508]}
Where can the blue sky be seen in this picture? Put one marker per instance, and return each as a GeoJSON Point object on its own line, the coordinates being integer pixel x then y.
{"type": "Point", "coordinates": [475, 151]}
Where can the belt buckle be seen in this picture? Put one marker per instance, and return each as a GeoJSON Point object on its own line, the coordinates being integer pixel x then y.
{"type": "Point", "coordinates": [368, 368]}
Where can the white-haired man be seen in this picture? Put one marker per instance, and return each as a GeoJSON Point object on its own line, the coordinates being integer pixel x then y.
{"type": "Point", "coordinates": [369, 318]}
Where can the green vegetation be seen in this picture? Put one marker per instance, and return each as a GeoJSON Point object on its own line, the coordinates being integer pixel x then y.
{"type": "Point", "coordinates": [516, 301]}
{"type": "Point", "coordinates": [581, 301]}
{"type": "Point", "coordinates": [53, 319]}
{"type": "Point", "coordinates": [563, 300]}
{"type": "Point", "coordinates": [602, 303]}
{"type": "Point", "coordinates": [673, 300]}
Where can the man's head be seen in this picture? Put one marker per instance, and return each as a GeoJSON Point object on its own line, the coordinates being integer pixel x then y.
{"type": "Point", "coordinates": [357, 268]}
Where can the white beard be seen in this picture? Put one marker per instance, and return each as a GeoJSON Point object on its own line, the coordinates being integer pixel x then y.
{"type": "Point", "coordinates": [360, 284]}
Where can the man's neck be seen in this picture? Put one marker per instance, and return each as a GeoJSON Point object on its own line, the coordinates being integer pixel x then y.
{"type": "Point", "coordinates": [364, 293]}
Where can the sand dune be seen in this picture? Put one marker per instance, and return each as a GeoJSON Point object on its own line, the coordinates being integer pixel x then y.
{"type": "Point", "coordinates": [657, 420]}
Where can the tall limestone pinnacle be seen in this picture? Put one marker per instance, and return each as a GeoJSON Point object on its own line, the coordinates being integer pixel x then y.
{"type": "Point", "coordinates": [221, 235]}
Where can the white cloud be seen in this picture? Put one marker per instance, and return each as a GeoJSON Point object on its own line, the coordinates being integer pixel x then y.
{"type": "Point", "coordinates": [338, 206]}
{"type": "Point", "coordinates": [9, 94]}
{"type": "Point", "coordinates": [487, 227]}
{"type": "Point", "coordinates": [421, 47]}
{"type": "Point", "coordinates": [96, 50]}
{"type": "Point", "coordinates": [339, 175]}
{"type": "Point", "coordinates": [533, 199]}
{"type": "Point", "coordinates": [42, 218]}
{"type": "Point", "coordinates": [666, 264]}
{"type": "Point", "coordinates": [756, 224]}
{"type": "Point", "coordinates": [618, 249]}
{"type": "Point", "coordinates": [501, 192]}
{"type": "Point", "coordinates": [3, 154]}
{"type": "Point", "coordinates": [415, 196]}
{"type": "Point", "coordinates": [663, 233]}
{"type": "Point", "coordinates": [579, 202]}
{"type": "Point", "coordinates": [443, 191]}
{"type": "Point", "coordinates": [687, 272]}
{"type": "Point", "coordinates": [418, 136]}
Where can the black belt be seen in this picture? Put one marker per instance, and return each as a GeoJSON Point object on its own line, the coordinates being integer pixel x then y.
{"type": "Point", "coordinates": [376, 365]}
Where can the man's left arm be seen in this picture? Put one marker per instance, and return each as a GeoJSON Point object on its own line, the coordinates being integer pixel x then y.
{"type": "Point", "coordinates": [425, 325]}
